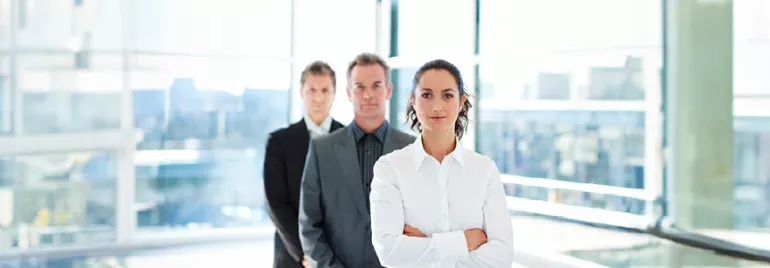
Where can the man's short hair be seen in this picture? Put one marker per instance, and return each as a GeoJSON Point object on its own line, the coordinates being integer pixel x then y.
{"type": "Point", "coordinates": [365, 59]}
{"type": "Point", "coordinates": [318, 68]}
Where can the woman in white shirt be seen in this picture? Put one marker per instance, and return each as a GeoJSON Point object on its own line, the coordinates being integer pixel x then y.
{"type": "Point", "coordinates": [435, 203]}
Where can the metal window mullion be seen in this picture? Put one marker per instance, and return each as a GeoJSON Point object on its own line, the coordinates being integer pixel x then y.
{"type": "Point", "coordinates": [125, 217]}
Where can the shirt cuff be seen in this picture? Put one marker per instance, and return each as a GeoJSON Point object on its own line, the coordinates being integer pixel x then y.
{"type": "Point", "coordinates": [450, 246]}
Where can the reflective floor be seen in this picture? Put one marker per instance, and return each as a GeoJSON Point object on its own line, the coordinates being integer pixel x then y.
{"type": "Point", "coordinates": [259, 254]}
{"type": "Point", "coordinates": [237, 255]}
{"type": "Point", "coordinates": [615, 248]}
{"type": "Point", "coordinates": [609, 248]}
{"type": "Point", "coordinates": [661, 254]}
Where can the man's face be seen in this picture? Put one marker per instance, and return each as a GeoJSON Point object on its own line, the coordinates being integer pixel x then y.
{"type": "Point", "coordinates": [318, 95]}
{"type": "Point", "coordinates": [369, 90]}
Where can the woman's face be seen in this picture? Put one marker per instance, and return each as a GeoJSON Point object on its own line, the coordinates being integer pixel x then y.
{"type": "Point", "coordinates": [437, 101]}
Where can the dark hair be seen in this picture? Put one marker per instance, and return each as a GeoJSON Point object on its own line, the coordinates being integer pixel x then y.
{"type": "Point", "coordinates": [462, 119]}
{"type": "Point", "coordinates": [365, 59]}
{"type": "Point", "coordinates": [318, 68]}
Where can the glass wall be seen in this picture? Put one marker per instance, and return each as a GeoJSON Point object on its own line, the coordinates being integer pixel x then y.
{"type": "Point", "coordinates": [208, 87]}
{"type": "Point", "coordinates": [54, 83]}
{"type": "Point", "coordinates": [416, 40]}
{"type": "Point", "coordinates": [6, 99]}
{"type": "Point", "coordinates": [564, 95]}
{"type": "Point", "coordinates": [402, 85]}
{"type": "Point", "coordinates": [729, 198]}
{"type": "Point", "coordinates": [327, 32]}
{"type": "Point", "coordinates": [203, 134]}
{"type": "Point", "coordinates": [420, 38]}
{"type": "Point", "coordinates": [751, 124]}
{"type": "Point", "coordinates": [58, 96]}
{"type": "Point", "coordinates": [751, 90]}
{"type": "Point", "coordinates": [198, 94]}
{"type": "Point", "coordinates": [58, 198]}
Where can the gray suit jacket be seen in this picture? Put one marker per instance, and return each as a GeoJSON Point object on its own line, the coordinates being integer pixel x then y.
{"type": "Point", "coordinates": [335, 227]}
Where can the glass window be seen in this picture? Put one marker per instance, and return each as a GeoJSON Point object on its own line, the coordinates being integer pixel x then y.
{"type": "Point", "coordinates": [424, 33]}
{"type": "Point", "coordinates": [204, 123]}
{"type": "Point", "coordinates": [418, 36]}
{"type": "Point", "coordinates": [335, 35]}
{"type": "Point", "coordinates": [59, 97]}
{"type": "Point", "coordinates": [751, 172]}
{"type": "Point", "coordinates": [62, 84]}
{"type": "Point", "coordinates": [225, 27]}
{"type": "Point", "coordinates": [208, 87]}
{"type": "Point", "coordinates": [5, 23]}
{"type": "Point", "coordinates": [57, 199]}
{"type": "Point", "coordinates": [335, 30]}
{"type": "Point", "coordinates": [6, 98]}
{"type": "Point", "coordinates": [5, 93]}
{"type": "Point", "coordinates": [49, 24]}
{"type": "Point", "coordinates": [563, 86]}
{"type": "Point", "coordinates": [402, 85]}
{"type": "Point", "coordinates": [67, 26]}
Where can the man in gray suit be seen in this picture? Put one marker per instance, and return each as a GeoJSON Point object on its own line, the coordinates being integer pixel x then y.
{"type": "Point", "coordinates": [335, 225]}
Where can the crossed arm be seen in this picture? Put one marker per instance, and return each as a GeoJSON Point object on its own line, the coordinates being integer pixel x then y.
{"type": "Point", "coordinates": [400, 245]}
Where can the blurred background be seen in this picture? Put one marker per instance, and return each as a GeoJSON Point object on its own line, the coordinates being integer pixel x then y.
{"type": "Point", "coordinates": [631, 132]}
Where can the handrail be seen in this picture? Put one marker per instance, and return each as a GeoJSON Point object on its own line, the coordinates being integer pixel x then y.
{"type": "Point", "coordinates": [65, 142]}
{"type": "Point", "coordinates": [667, 230]}
{"type": "Point", "coordinates": [650, 224]}
{"type": "Point", "coordinates": [582, 214]}
{"type": "Point", "coordinates": [580, 187]}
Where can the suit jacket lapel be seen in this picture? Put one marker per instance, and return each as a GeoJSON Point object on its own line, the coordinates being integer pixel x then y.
{"type": "Point", "coordinates": [335, 125]}
{"type": "Point", "coordinates": [348, 157]}
{"type": "Point", "coordinates": [304, 135]}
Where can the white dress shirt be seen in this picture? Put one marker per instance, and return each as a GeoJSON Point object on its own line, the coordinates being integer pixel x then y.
{"type": "Point", "coordinates": [441, 200]}
{"type": "Point", "coordinates": [316, 130]}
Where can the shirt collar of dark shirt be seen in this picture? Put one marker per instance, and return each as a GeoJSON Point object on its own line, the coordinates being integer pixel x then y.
{"type": "Point", "coordinates": [359, 134]}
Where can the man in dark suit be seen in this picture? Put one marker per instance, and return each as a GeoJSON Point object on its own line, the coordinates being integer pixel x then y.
{"type": "Point", "coordinates": [334, 203]}
{"type": "Point", "coordinates": [285, 160]}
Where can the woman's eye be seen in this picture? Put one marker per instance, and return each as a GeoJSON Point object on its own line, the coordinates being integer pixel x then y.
{"type": "Point", "coordinates": [426, 95]}
{"type": "Point", "coordinates": [449, 96]}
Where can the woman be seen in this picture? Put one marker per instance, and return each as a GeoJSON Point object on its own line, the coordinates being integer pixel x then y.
{"type": "Point", "coordinates": [435, 203]}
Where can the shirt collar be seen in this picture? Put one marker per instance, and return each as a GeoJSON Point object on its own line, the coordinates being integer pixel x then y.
{"type": "Point", "coordinates": [419, 155]}
{"type": "Point", "coordinates": [324, 128]}
{"type": "Point", "coordinates": [379, 133]}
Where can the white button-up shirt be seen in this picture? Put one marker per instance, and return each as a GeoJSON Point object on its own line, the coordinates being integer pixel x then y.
{"type": "Point", "coordinates": [442, 200]}
{"type": "Point", "coordinates": [316, 130]}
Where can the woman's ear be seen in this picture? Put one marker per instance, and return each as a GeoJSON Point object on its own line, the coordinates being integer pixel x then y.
{"type": "Point", "coordinates": [463, 99]}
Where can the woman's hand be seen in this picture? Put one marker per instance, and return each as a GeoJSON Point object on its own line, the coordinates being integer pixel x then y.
{"type": "Point", "coordinates": [413, 232]}
{"type": "Point", "coordinates": [475, 238]}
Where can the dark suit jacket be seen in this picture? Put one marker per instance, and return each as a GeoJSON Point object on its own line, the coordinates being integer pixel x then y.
{"type": "Point", "coordinates": [284, 162]}
{"type": "Point", "coordinates": [335, 224]}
